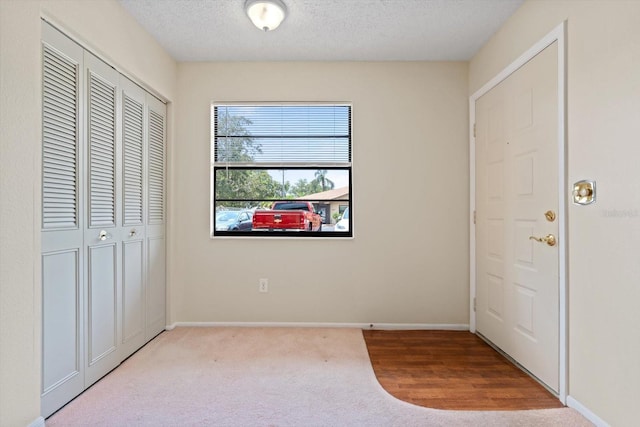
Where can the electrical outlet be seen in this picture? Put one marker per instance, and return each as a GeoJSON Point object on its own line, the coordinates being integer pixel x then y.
{"type": "Point", "coordinates": [263, 285]}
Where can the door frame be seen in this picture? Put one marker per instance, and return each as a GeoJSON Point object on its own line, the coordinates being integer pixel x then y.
{"type": "Point", "coordinates": [558, 35]}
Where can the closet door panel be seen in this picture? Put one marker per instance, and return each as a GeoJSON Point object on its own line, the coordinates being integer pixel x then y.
{"type": "Point", "coordinates": [156, 211]}
{"type": "Point", "coordinates": [133, 293]}
{"type": "Point", "coordinates": [156, 295]}
{"type": "Point", "coordinates": [103, 299]}
{"type": "Point", "coordinates": [102, 235]}
{"type": "Point", "coordinates": [62, 359]}
{"type": "Point", "coordinates": [62, 221]}
{"type": "Point", "coordinates": [133, 236]}
{"type": "Point", "coordinates": [62, 340]}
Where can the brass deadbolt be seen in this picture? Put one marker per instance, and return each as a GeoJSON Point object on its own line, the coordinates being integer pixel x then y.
{"type": "Point", "coordinates": [550, 215]}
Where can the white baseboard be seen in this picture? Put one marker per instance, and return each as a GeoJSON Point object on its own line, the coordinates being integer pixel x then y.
{"type": "Point", "coordinates": [38, 422]}
{"type": "Point", "coordinates": [573, 403]}
{"type": "Point", "coordinates": [376, 326]}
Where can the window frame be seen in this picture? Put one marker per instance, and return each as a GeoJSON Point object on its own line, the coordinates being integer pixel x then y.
{"type": "Point", "coordinates": [285, 166]}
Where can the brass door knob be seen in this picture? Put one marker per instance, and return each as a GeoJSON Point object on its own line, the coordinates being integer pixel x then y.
{"type": "Point", "coordinates": [549, 239]}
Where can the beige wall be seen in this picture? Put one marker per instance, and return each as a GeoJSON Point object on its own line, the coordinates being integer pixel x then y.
{"type": "Point", "coordinates": [604, 244]}
{"type": "Point", "coordinates": [405, 265]}
{"type": "Point", "coordinates": [105, 27]}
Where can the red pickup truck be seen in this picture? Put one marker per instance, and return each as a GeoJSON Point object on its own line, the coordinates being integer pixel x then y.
{"type": "Point", "coordinates": [290, 215]}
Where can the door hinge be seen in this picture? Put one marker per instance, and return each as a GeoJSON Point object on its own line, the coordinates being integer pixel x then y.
{"type": "Point", "coordinates": [474, 217]}
{"type": "Point", "coordinates": [474, 303]}
{"type": "Point", "coordinates": [474, 130]}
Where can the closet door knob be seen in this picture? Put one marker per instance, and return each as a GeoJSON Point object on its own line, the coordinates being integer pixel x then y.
{"type": "Point", "coordinates": [104, 235]}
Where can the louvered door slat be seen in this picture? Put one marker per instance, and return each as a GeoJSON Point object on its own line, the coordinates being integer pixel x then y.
{"type": "Point", "coordinates": [102, 203]}
{"type": "Point", "coordinates": [58, 204]}
{"type": "Point", "coordinates": [102, 148]}
{"type": "Point", "coordinates": [156, 168]}
{"type": "Point", "coordinates": [103, 119]}
{"type": "Point", "coordinates": [57, 107]}
{"type": "Point", "coordinates": [64, 173]}
{"type": "Point", "coordinates": [58, 134]}
{"type": "Point", "coordinates": [58, 61]}
{"type": "Point", "coordinates": [103, 174]}
{"type": "Point", "coordinates": [102, 140]}
{"type": "Point", "coordinates": [60, 142]}
{"type": "Point", "coordinates": [59, 213]}
{"type": "Point", "coordinates": [58, 187]}
{"type": "Point", "coordinates": [102, 170]}
{"type": "Point", "coordinates": [58, 102]}
{"type": "Point", "coordinates": [58, 79]}
{"type": "Point", "coordinates": [57, 143]}
{"type": "Point", "coordinates": [132, 160]}
{"type": "Point", "coordinates": [56, 91]}
{"type": "Point", "coordinates": [56, 158]}
{"type": "Point", "coordinates": [59, 160]}
{"type": "Point", "coordinates": [53, 65]}
{"type": "Point", "coordinates": [54, 116]}
{"type": "Point", "coordinates": [59, 85]}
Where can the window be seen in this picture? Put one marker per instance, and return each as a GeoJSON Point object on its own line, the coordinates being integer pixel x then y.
{"type": "Point", "coordinates": [280, 170]}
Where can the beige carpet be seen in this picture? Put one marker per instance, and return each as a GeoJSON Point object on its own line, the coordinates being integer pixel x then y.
{"type": "Point", "coordinates": [264, 377]}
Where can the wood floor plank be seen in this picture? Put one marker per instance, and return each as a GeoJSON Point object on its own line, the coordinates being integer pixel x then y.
{"type": "Point", "coordinates": [453, 370]}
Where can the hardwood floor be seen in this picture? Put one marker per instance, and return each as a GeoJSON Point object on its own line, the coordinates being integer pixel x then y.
{"type": "Point", "coordinates": [451, 370]}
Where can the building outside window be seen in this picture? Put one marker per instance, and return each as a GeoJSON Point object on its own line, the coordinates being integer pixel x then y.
{"type": "Point", "coordinates": [281, 170]}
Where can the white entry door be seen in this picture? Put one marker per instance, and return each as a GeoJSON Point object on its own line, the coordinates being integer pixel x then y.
{"type": "Point", "coordinates": [517, 273]}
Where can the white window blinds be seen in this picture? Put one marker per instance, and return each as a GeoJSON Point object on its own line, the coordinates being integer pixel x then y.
{"type": "Point", "coordinates": [282, 134]}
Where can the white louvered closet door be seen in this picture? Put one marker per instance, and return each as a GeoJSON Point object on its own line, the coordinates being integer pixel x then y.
{"type": "Point", "coordinates": [103, 218]}
{"type": "Point", "coordinates": [102, 233]}
{"type": "Point", "coordinates": [133, 233]}
{"type": "Point", "coordinates": [62, 221]}
{"type": "Point", "coordinates": [156, 217]}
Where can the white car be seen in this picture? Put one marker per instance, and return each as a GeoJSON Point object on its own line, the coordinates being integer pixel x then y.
{"type": "Point", "coordinates": [343, 224]}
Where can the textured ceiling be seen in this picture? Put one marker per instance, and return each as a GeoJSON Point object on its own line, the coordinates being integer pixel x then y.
{"type": "Point", "coordinates": [324, 30]}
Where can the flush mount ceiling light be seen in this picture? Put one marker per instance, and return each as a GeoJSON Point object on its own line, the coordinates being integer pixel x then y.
{"type": "Point", "coordinates": [266, 14]}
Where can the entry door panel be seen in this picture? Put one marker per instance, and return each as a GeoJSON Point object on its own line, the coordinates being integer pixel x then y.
{"type": "Point", "coordinates": [516, 183]}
